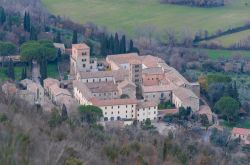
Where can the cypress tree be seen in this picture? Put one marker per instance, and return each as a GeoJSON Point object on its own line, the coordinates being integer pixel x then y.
{"type": "Point", "coordinates": [58, 37]}
{"type": "Point", "coordinates": [2, 15]}
{"type": "Point", "coordinates": [123, 44]}
{"type": "Point", "coordinates": [111, 44]}
{"type": "Point", "coordinates": [11, 70]}
{"type": "Point", "coordinates": [131, 46]}
{"type": "Point", "coordinates": [116, 44]}
{"type": "Point", "coordinates": [59, 54]}
{"type": "Point", "coordinates": [104, 45]}
{"type": "Point", "coordinates": [28, 24]}
{"type": "Point", "coordinates": [33, 33]}
{"type": "Point", "coordinates": [64, 113]}
{"type": "Point", "coordinates": [74, 39]}
{"type": "Point", "coordinates": [235, 91]}
{"type": "Point", "coordinates": [25, 22]}
{"type": "Point", "coordinates": [24, 73]}
{"type": "Point", "coordinates": [43, 69]}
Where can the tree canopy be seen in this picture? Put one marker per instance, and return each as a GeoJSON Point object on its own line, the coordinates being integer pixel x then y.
{"type": "Point", "coordinates": [90, 114]}
{"type": "Point", "coordinates": [7, 48]}
{"type": "Point", "coordinates": [228, 107]}
{"type": "Point", "coordinates": [38, 50]}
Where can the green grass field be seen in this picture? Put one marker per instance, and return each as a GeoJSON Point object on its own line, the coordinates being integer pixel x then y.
{"type": "Point", "coordinates": [231, 39]}
{"type": "Point", "coordinates": [127, 15]}
{"type": "Point", "coordinates": [215, 54]}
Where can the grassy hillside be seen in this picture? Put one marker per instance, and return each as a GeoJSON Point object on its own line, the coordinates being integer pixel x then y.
{"type": "Point", "coordinates": [215, 54]}
{"type": "Point", "coordinates": [231, 39]}
{"type": "Point", "coordinates": [127, 14]}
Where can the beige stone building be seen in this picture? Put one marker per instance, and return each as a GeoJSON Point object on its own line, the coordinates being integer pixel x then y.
{"type": "Point", "coordinates": [57, 94]}
{"type": "Point", "coordinates": [47, 83]}
{"type": "Point", "coordinates": [80, 60]}
{"type": "Point", "coordinates": [146, 110]}
{"type": "Point", "coordinates": [241, 133]}
{"type": "Point", "coordinates": [127, 88]}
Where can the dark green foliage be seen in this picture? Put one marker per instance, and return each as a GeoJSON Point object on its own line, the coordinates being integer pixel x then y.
{"type": "Point", "coordinates": [166, 105]}
{"type": "Point", "coordinates": [184, 113]}
{"type": "Point", "coordinates": [64, 113]}
{"type": "Point", "coordinates": [38, 50]}
{"type": "Point", "coordinates": [123, 45]}
{"type": "Point", "coordinates": [75, 37]}
{"type": "Point", "coordinates": [104, 45]}
{"type": "Point", "coordinates": [3, 117]}
{"type": "Point", "coordinates": [43, 69]}
{"type": "Point", "coordinates": [116, 44]}
{"type": "Point", "coordinates": [111, 45]}
{"type": "Point", "coordinates": [11, 70]}
{"type": "Point", "coordinates": [131, 46]}
{"type": "Point", "coordinates": [228, 107]}
{"type": "Point", "coordinates": [33, 33]}
{"type": "Point", "coordinates": [26, 22]}
{"type": "Point", "coordinates": [2, 15]}
{"type": "Point", "coordinates": [147, 125]}
{"type": "Point", "coordinates": [219, 138]}
{"type": "Point", "coordinates": [204, 120]}
{"type": "Point", "coordinates": [90, 114]}
{"type": "Point", "coordinates": [58, 37]}
{"type": "Point", "coordinates": [24, 73]}
{"type": "Point", "coordinates": [7, 48]}
{"type": "Point", "coordinates": [217, 78]}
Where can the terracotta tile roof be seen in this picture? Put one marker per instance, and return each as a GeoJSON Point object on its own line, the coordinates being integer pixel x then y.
{"type": "Point", "coordinates": [126, 83]}
{"type": "Point", "coordinates": [158, 88]}
{"type": "Point", "coordinates": [135, 61]}
{"type": "Point", "coordinates": [56, 90]}
{"type": "Point", "coordinates": [167, 112]}
{"type": "Point", "coordinates": [122, 58]}
{"type": "Point", "coordinates": [113, 102]}
{"type": "Point", "coordinates": [184, 94]}
{"type": "Point", "coordinates": [150, 61]}
{"type": "Point", "coordinates": [117, 74]}
{"type": "Point", "coordinates": [241, 131]}
{"type": "Point", "coordinates": [102, 87]}
{"type": "Point", "coordinates": [50, 81]}
{"type": "Point", "coordinates": [83, 89]}
{"type": "Point", "coordinates": [146, 104]}
{"type": "Point", "coordinates": [80, 46]}
{"type": "Point", "coordinates": [175, 77]}
{"type": "Point", "coordinates": [154, 70]}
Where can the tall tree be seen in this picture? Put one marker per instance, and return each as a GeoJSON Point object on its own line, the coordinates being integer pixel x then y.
{"type": "Point", "coordinates": [111, 45]}
{"type": "Point", "coordinates": [228, 107]}
{"type": "Point", "coordinates": [75, 37]}
{"type": "Point", "coordinates": [6, 48]}
{"type": "Point", "coordinates": [58, 37]}
{"type": "Point", "coordinates": [116, 44]}
{"type": "Point", "coordinates": [26, 22]}
{"type": "Point", "coordinates": [90, 114]}
{"type": "Point", "coordinates": [33, 33]}
{"type": "Point", "coordinates": [123, 44]}
{"type": "Point", "coordinates": [43, 69]}
{"type": "Point", "coordinates": [131, 46]}
{"type": "Point", "coordinates": [104, 45]}
{"type": "Point", "coordinates": [235, 91]}
{"type": "Point", "coordinates": [11, 70]}
{"type": "Point", "coordinates": [2, 15]}
{"type": "Point", "coordinates": [64, 112]}
{"type": "Point", "coordinates": [24, 73]}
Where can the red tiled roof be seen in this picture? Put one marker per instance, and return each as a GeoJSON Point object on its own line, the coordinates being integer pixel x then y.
{"type": "Point", "coordinates": [241, 131]}
{"type": "Point", "coordinates": [111, 102]}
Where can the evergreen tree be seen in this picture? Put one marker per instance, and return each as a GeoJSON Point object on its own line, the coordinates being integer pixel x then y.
{"type": "Point", "coordinates": [111, 45]}
{"type": "Point", "coordinates": [33, 33]}
{"type": "Point", "coordinates": [2, 15]}
{"type": "Point", "coordinates": [235, 93]}
{"type": "Point", "coordinates": [26, 22]}
{"type": "Point", "coordinates": [64, 113]}
{"type": "Point", "coordinates": [58, 37]}
{"type": "Point", "coordinates": [43, 69]}
{"type": "Point", "coordinates": [24, 73]}
{"type": "Point", "coordinates": [229, 90]}
{"type": "Point", "coordinates": [131, 46]}
{"type": "Point", "coordinates": [11, 70]}
{"type": "Point", "coordinates": [75, 38]}
{"type": "Point", "coordinates": [104, 45]}
{"type": "Point", "coordinates": [59, 54]}
{"type": "Point", "coordinates": [123, 44]}
{"type": "Point", "coordinates": [116, 44]}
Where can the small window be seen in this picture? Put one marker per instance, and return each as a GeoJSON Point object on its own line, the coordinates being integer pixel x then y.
{"type": "Point", "coordinates": [83, 65]}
